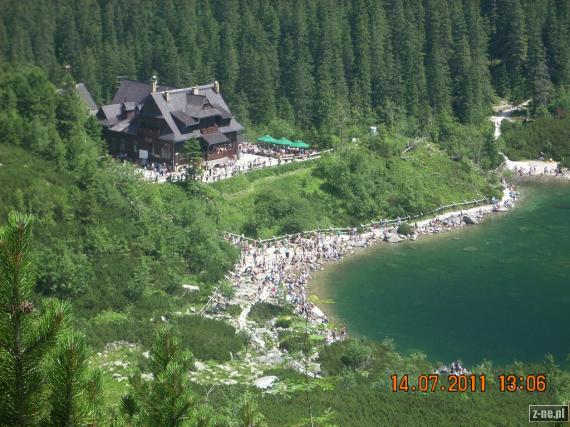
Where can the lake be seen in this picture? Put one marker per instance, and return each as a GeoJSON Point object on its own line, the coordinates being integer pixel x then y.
{"type": "Point", "coordinates": [499, 290]}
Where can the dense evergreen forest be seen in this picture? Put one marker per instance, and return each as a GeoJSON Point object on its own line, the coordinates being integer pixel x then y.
{"type": "Point", "coordinates": [314, 63]}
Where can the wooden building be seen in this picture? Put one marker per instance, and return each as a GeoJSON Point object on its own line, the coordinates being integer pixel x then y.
{"type": "Point", "coordinates": [150, 123]}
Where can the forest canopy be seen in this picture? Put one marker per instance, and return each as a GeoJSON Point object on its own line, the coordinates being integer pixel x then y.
{"type": "Point", "coordinates": [315, 64]}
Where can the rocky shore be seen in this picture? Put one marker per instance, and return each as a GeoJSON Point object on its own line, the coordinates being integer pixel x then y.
{"type": "Point", "coordinates": [280, 271]}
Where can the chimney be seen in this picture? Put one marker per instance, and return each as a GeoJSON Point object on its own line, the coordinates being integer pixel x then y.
{"type": "Point", "coordinates": [166, 96]}
{"type": "Point", "coordinates": [216, 86]}
{"type": "Point", "coordinates": [153, 81]}
{"type": "Point", "coordinates": [195, 90]}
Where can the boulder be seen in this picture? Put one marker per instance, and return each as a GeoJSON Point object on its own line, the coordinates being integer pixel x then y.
{"type": "Point", "coordinates": [392, 238]}
{"type": "Point", "coordinates": [265, 382]}
{"type": "Point", "coordinates": [470, 219]}
{"type": "Point", "coordinates": [190, 288]}
{"type": "Point", "coordinates": [272, 358]}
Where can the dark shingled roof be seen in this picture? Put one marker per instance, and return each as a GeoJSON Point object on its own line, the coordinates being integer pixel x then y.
{"type": "Point", "coordinates": [215, 138]}
{"type": "Point", "coordinates": [184, 118]}
{"type": "Point", "coordinates": [177, 108]}
{"type": "Point", "coordinates": [129, 106]}
{"type": "Point", "coordinates": [134, 91]}
{"type": "Point", "coordinates": [111, 113]}
{"type": "Point", "coordinates": [195, 100]}
{"type": "Point", "coordinates": [86, 97]}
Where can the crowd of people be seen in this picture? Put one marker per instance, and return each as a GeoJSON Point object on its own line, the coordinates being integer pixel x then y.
{"type": "Point", "coordinates": [456, 368]}
{"type": "Point", "coordinates": [276, 151]}
{"type": "Point", "coordinates": [532, 169]}
{"type": "Point", "coordinates": [249, 157]}
{"type": "Point", "coordinates": [282, 270]}
{"type": "Point", "coordinates": [234, 166]}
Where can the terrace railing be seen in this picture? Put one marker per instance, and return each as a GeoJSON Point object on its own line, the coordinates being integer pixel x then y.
{"type": "Point", "coordinates": [363, 227]}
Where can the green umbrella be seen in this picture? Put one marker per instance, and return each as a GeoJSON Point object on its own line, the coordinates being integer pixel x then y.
{"type": "Point", "coordinates": [300, 144]}
{"type": "Point", "coordinates": [267, 139]}
{"type": "Point", "coordinates": [284, 141]}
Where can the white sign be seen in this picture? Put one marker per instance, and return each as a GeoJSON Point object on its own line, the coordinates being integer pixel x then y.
{"type": "Point", "coordinates": [143, 154]}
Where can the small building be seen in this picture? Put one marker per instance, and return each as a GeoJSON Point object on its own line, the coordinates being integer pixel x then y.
{"type": "Point", "coordinates": [150, 123]}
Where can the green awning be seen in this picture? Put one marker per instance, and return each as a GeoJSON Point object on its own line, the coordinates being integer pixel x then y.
{"type": "Point", "coordinates": [285, 141]}
{"type": "Point", "coordinates": [300, 144]}
{"type": "Point", "coordinates": [267, 139]}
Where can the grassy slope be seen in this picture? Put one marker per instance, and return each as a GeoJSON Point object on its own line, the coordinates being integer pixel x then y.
{"type": "Point", "coordinates": [427, 175]}
{"type": "Point", "coordinates": [235, 197]}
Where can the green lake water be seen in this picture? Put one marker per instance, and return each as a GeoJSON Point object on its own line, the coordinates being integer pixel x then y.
{"type": "Point", "coordinates": [497, 291]}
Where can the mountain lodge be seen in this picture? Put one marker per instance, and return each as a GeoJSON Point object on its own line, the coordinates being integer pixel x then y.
{"type": "Point", "coordinates": [150, 123]}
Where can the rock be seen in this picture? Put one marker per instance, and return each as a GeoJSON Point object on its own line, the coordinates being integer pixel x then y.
{"type": "Point", "coordinates": [146, 354]}
{"type": "Point", "coordinates": [470, 219]}
{"type": "Point", "coordinates": [258, 341]}
{"type": "Point", "coordinates": [317, 312]}
{"type": "Point", "coordinates": [191, 288]}
{"type": "Point", "coordinates": [272, 359]}
{"type": "Point", "coordinates": [265, 382]}
{"type": "Point", "coordinates": [199, 366]}
{"type": "Point", "coordinates": [392, 238]}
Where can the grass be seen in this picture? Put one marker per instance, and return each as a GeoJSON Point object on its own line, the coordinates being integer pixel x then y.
{"type": "Point", "coordinates": [234, 198]}
{"type": "Point", "coordinates": [113, 389]}
{"type": "Point", "coordinates": [426, 179]}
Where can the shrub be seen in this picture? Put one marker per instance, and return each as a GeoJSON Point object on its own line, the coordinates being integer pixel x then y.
{"type": "Point", "coordinates": [283, 322]}
{"type": "Point", "coordinates": [208, 339]}
{"type": "Point", "coordinates": [405, 229]}
{"type": "Point", "coordinates": [233, 310]}
{"type": "Point", "coordinates": [109, 317]}
{"type": "Point", "coordinates": [264, 311]}
{"type": "Point", "coordinates": [227, 290]}
{"type": "Point", "coordinates": [294, 343]}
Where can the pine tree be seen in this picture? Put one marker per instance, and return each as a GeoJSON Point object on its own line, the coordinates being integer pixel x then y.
{"type": "Point", "coordinates": [437, 68]}
{"type": "Point", "coordinates": [75, 389]}
{"type": "Point", "coordinates": [27, 334]}
{"type": "Point", "coordinates": [166, 401]}
{"type": "Point", "coordinates": [361, 80]}
{"type": "Point", "coordinates": [301, 83]}
{"type": "Point", "coordinates": [248, 413]}
{"type": "Point", "coordinates": [515, 44]}
{"type": "Point", "coordinates": [461, 67]}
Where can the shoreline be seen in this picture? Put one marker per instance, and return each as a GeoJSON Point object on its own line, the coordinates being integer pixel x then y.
{"type": "Point", "coordinates": [281, 272]}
